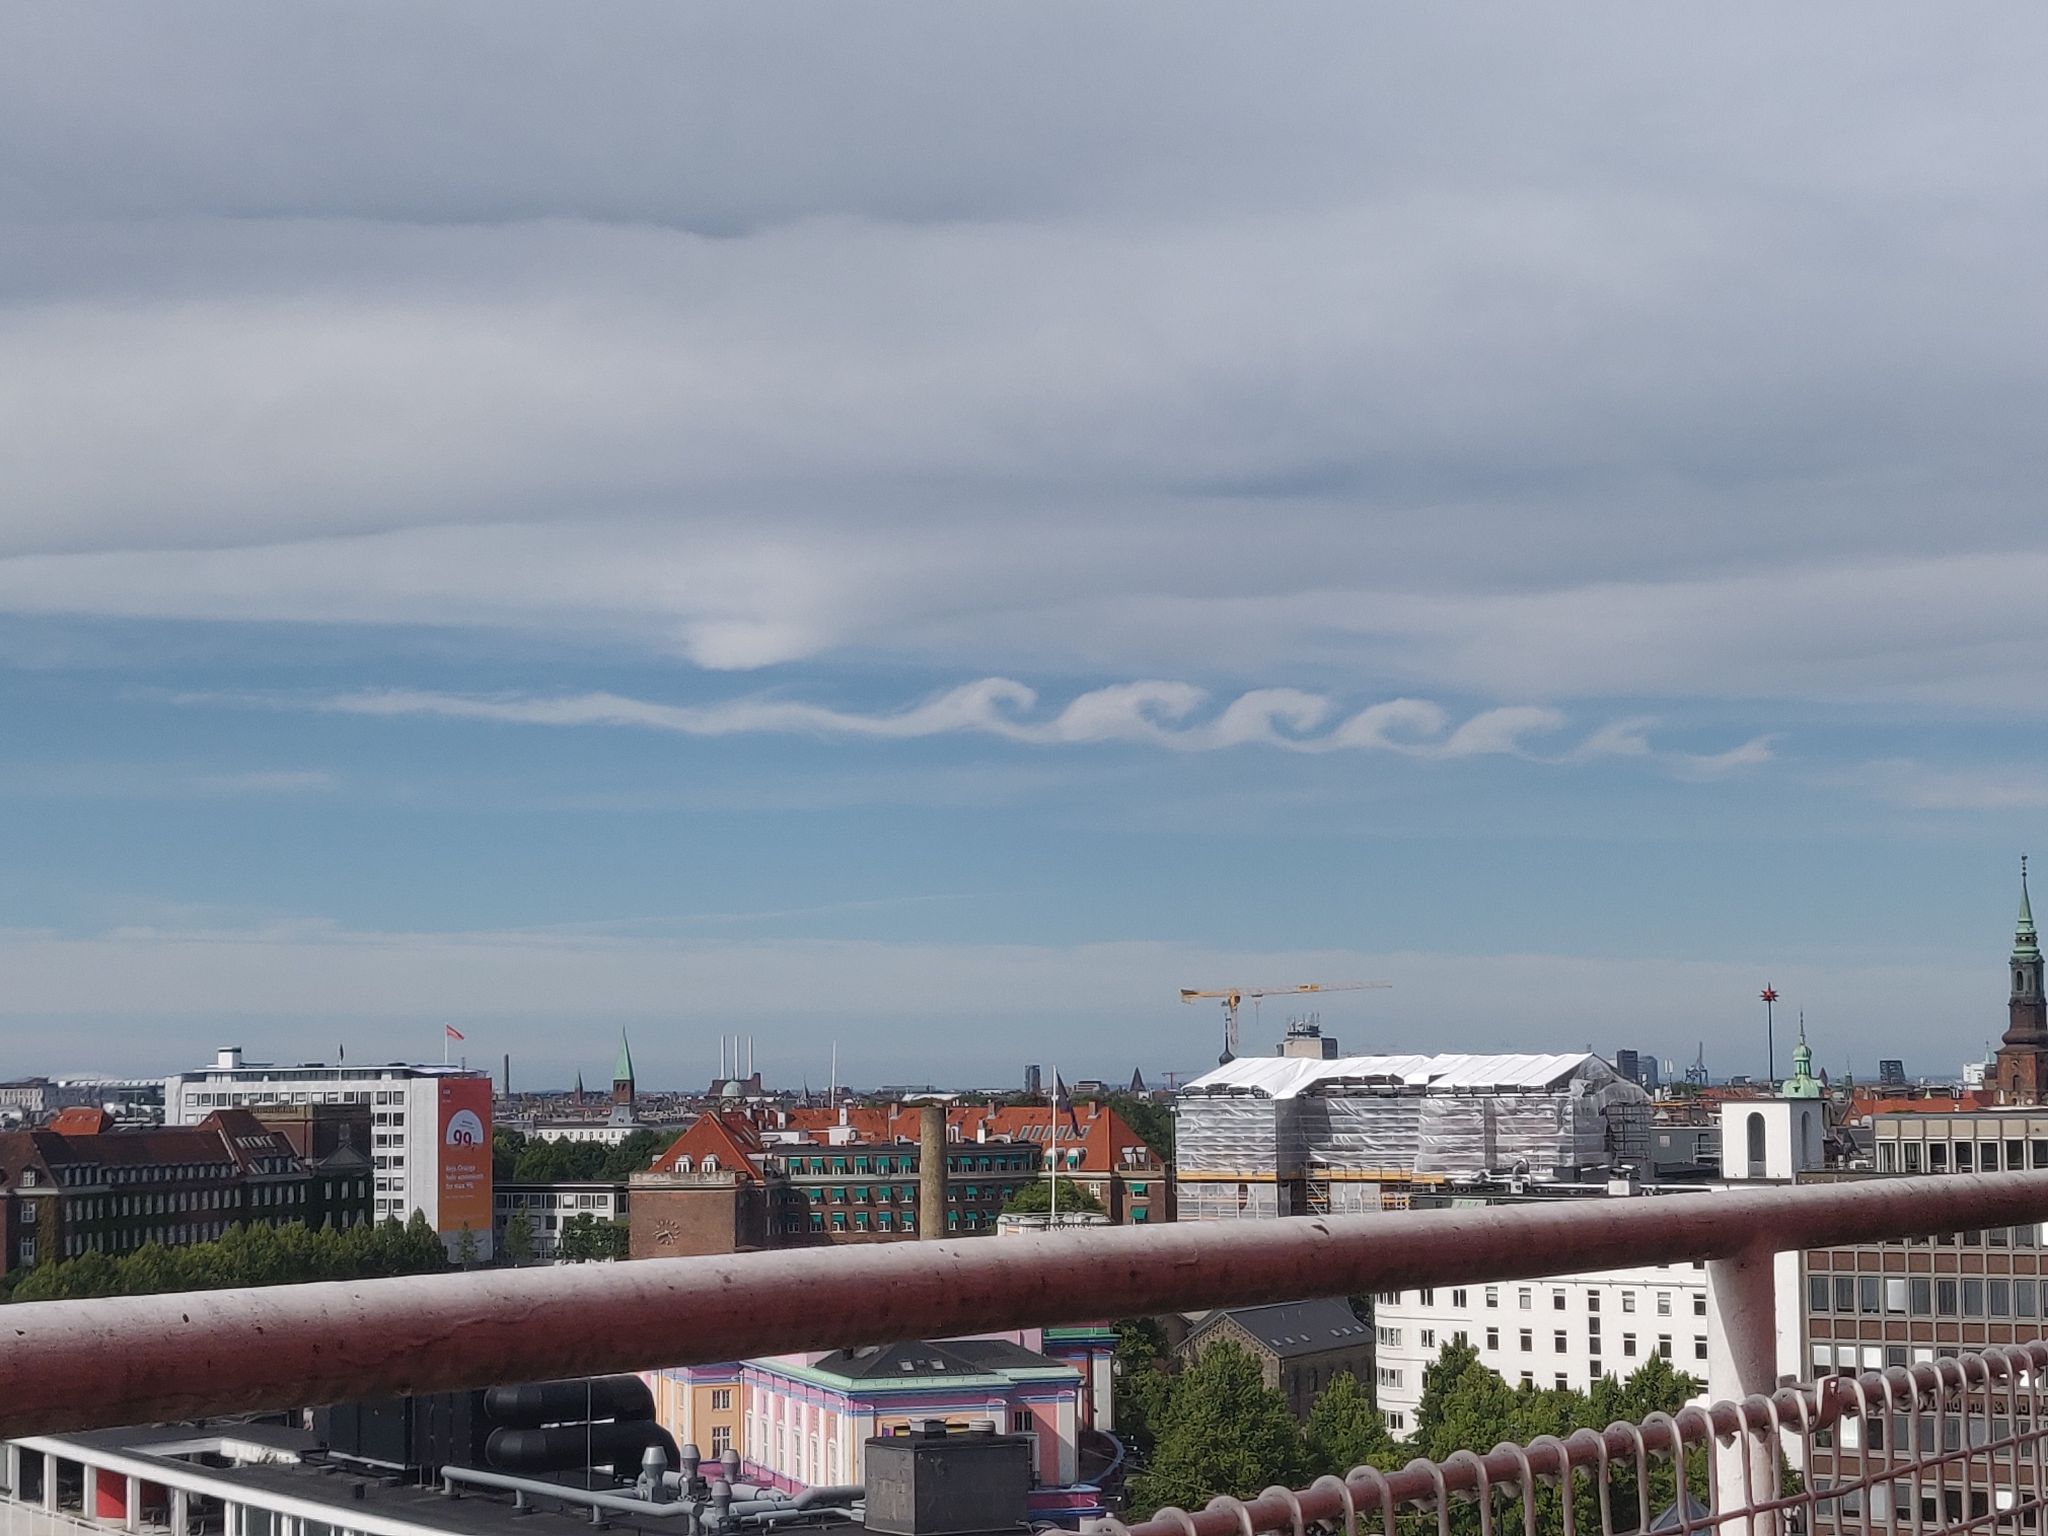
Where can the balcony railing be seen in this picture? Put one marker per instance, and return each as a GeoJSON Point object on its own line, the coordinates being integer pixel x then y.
{"type": "Point", "coordinates": [78, 1365]}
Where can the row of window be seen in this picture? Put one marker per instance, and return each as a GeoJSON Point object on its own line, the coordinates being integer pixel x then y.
{"type": "Point", "coordinates": [880, 1162]}
{"type": "Point", "coordinates": [1525, 1299]}
{"type": "Point", "coordinates": [1960, 1156]}
{"type": "Point", "coordinates": [139, 1173]}
{"type": "Point", "coordinates": [1923, 1295]}
{"type": "Point", "coordinates": [1561, 1344]}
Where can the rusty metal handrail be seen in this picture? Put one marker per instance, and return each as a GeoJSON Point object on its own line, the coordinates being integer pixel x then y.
{"type": "Point", "coordinates": [73, 1365]}
{"type": "Point", "coordinates": [1367, 1496]}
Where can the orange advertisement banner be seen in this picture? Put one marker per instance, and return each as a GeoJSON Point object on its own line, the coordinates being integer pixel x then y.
{"type": "Point", "coordinates": [466, 1156]}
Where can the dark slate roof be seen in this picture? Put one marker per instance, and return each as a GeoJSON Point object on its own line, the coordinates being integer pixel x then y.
{"type": "Point", "coordinates": [1292, 1328]}
{"type": "Point", "coordinates": [1001, 1355]}
{"type": "Point", "coordinates": [897, 1361]}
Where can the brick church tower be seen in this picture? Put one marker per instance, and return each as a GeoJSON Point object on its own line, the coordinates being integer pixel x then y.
{"type": "Point", "coordinates": [2022, 1070]}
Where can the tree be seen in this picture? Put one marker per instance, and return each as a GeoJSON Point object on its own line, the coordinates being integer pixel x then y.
{"type": "Point", "coordinates": [1345, 1429]}
{"type": "Point", "coordinates": [1221, 1430]}
{"type": "Point", "coordinates": [466, 1248]}
{"type": "Point", "coordinates": [1152, 1121]}
{"type": "Point", "coordinates": [1142, 1384]}
{"type": "Point", "coordinates": [585, 1237]}
{"type": "Point", "coordinates": [247, 1255]}
{"type": "Point", "coordinates": [506, 1145]}
{"type": "Point", "coordinates": [518, 1244]}
{"type": "Point", "coordinates": [1036, 1199]}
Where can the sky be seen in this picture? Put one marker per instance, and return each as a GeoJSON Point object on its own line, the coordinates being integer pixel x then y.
{"type": "Point", "coordinates": [926, 529]}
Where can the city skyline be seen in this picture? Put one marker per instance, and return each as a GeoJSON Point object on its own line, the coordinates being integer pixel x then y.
{"type": "Point", "coordinates": [1392, 495]}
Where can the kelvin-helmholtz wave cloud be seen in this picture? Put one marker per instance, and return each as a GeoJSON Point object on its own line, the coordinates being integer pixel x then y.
{"type": "Point", "coordinates": [1617, 432]}
{"type": "Point", "coordinates": [1177, 716]}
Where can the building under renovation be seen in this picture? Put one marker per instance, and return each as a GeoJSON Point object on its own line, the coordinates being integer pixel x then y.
{"type": "Point", "coordinates": [1295, 1135]}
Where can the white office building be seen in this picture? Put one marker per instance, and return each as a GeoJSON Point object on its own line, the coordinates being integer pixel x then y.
{"type": "Point", "coordinates": [1570, 1330]}
{"type": "Point", "coordinates": [430, 1128]}
{"type": "Point", "coordinates": [1566, 1332]}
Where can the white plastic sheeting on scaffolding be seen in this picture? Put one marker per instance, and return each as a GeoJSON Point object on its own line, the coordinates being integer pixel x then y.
{"type": "Point", "coordinates": [1255, 1123]}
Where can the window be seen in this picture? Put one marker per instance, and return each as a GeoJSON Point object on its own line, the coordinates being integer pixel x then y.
{"type": "Point", "coordinates": [1628, 1345]}
{"type": "Point", "coordinates": [1428, 1338]}
{"type": "Point", "coordinates": [1663, 1303]}
{"type": "Point", "coordinates": [1845, 1293]}
{"type": "Point", "coordinates": [1525, 1298]}
{"type": "Point", "coordinates": [1557, 1341]}
{"type": "Point", "coordinates": [1664, 1345]}
{"type": "Point", "coordinates": [1909, 1152]}
{"type": "Point", "coordinates": [721, 1399]}
{"type": "Point", "coordinates": [1593, 1301]}
{"type": "Point", "coordinates": [1528, 1340]}
{"type": "Point", "coordinates": [1937, 1157]}
{"type": "Point", "coordinates": [1887, 1157]}
{"type": "Point", "coordinates": [1869, 1290]}
{"type": "Point", "coordinates": [1396, 1421]}
{"type": "Point", "coordinates": [1428, 1296]}
{"type": "Point", "coordinates": [1458, 1297]}
{"type": "Point", "coordinates": [1699, 1304]}
{"type": "Point", "coordinates": [721, 1439]}
{"type": "Point", "coordinates": [1390, 1338]}
{"type": "Point", "coordinates": [1699, 1349]}
{"type": "Point", "coordinates": [1628, 1301]}
{"type": "Point", "coordinates": [1493, 1295]}
{"type": "Point", "coordinates": [1493, 1338]}
{"type": "Point", "coordinates": [1987, 1157]}
{"type": "Point", "coordinates": [1557, 1301]}
{"type": "Point", "coordinates": [1390, 1376]}
{"type": "Point", "coordinates": [1964, 1162]}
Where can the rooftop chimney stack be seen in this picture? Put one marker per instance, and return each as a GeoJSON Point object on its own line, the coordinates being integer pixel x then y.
{"type": "Point", "coordinates": [931, 1171]}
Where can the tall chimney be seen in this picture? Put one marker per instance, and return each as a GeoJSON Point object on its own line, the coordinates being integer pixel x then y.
{"type": "Point", "coordinates": [931, 1172]}
{"type": "Point", "coordinates": [508, 1074]}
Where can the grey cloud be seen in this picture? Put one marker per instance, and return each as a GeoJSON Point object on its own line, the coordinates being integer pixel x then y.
{"type": "Point", "coordinates": [1672, 353]}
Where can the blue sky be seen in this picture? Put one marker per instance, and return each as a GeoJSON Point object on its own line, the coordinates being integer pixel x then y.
{"type": "Point", "coordinates": [934, 532]}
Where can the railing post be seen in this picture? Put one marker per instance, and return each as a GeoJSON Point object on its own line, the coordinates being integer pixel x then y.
{"type": "Point", "coordinates": [1742, 1359]}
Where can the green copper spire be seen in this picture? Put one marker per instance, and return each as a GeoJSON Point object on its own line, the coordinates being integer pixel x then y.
{"type": "Point", "coordinates": [2024, 944]}
{"type": "Point", "coordinates": [623, 1071]}
{"type": "Point", "coordinates": [1802, 1084]}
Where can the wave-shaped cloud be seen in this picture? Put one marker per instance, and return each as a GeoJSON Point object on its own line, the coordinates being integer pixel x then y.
{"type": "Point", "coordinates": [1175, 716]}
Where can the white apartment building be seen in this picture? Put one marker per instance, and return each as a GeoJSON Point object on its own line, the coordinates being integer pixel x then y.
{"type": "Point", "coordinates": [550, 1207]}
{"type": "Point", "coordinates": [430, 1128]}
{"type": "Point", "coordinates": [1570, 1330]}
{"type": "Point", "coordinates": [1566, 1332]}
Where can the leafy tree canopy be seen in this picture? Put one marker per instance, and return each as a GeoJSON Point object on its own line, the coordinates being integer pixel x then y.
{"type": "Point", "coordinates": [1035, 1199]}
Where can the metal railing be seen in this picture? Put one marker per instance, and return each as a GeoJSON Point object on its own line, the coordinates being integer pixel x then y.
{"type": "Point", "coordinates": [1954, 1444]}
{"type": "Point", "coordinates": [87, 1364]}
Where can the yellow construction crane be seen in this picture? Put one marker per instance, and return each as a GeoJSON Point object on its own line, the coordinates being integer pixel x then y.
{"type": "Point", "coordinates": [1233, 997]}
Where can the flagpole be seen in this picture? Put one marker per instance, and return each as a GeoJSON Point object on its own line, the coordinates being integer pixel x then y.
{"type": "Point", "coordinates": [1052, 1219]}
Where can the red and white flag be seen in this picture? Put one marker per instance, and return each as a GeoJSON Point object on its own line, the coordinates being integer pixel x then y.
{"type": "Point", "coordinates": [452, 1032]}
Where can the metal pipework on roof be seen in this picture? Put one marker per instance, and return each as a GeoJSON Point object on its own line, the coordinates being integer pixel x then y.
{"type": "Point", "coordinates": [71, 1365]}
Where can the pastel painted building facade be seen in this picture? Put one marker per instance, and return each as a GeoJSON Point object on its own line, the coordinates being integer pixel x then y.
{"type": "Point", "coordinates": [802, 1421]}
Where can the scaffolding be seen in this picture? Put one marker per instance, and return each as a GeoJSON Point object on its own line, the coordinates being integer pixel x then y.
{"type": "Point", "coordinates": [1278, 1136]}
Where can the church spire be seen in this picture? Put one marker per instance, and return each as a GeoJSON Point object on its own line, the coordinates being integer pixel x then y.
{"type": "Point", "coordinates": [1802, 1084]}
{"type": "Point", "coordinates": [2024, 943]}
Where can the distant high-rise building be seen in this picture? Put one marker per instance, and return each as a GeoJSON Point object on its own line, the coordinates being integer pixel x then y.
{"type": "Point", "coordinates": [1034, 1081]}
{"type": "Point", "coordinates": [1891, 1072]}
{"type": "Point", "coordinates": [1629, 1065]}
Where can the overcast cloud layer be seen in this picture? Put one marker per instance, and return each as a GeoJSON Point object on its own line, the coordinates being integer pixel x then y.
{"type": "Point", "coordinates": [1446, 383]}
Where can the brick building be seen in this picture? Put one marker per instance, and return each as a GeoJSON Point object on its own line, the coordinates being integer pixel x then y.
{"type": "Point", "coordinates": [723, 1186]}
{"type": "Point", "coordinates": [1090, 1142]}
{"type": "Point", "coordinates": [82, 1185]}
